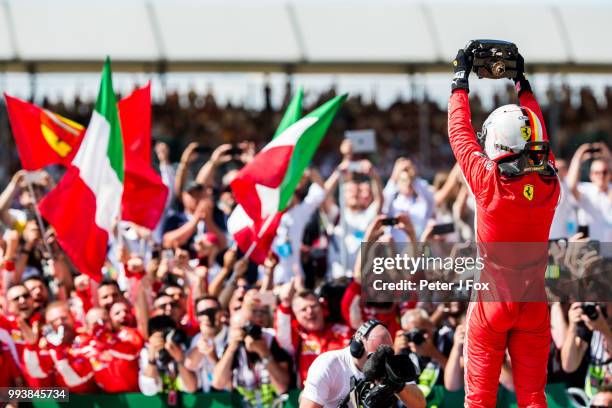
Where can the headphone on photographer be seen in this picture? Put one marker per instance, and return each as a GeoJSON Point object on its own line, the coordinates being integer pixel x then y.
{"type": "Point", "coordinates": [356, 345]}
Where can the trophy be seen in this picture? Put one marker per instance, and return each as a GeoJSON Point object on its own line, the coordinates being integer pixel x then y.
{"type": "Point", "coordinates": [493, 59]}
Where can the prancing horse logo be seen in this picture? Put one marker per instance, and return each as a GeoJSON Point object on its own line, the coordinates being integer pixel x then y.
{"type": "Point", "coordinates": [528, 191]}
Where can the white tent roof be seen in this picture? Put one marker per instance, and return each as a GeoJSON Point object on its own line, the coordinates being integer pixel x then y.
{"type": "Point", "coordinates": [293, 35]}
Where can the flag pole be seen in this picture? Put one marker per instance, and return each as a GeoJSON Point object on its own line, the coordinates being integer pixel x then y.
{"type": "Point", "coordinates": [262, 231]}
{"type": "Point", "coordinates": [39, 220]}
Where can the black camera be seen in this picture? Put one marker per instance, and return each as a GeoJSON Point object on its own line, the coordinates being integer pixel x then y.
{"type": "Point", "coordinates": [385, 374]}
{"type": "Point", "coordinates": [493, 59]}
{"type": "Point", "coordinates": [590, 310]}
{"type": "Point", "coordinates": [416, 336]}
{"type": "Point", "coordinates": [389, 221]}
{"type": "Point", "coordinates": [253, 331]}
{"type": "Point", "coordinates": [176, 336]}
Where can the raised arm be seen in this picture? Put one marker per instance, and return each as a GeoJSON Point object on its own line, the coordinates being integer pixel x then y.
{"type": "Point", "coordinates": [183, 168]}
{"type": "Point", "coordinates": [7, 196]}
{"type": "Point", "coordinates": [573, 172]}
{"type": "Point", "coordinates": [476, 167]}
{"type": "Point", "coordinates": [206, 175]}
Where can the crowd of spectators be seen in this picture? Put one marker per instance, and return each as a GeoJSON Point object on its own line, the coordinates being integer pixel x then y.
{"type": "Point", "coordinates": [573, 114]}
{"type": "Point", "coordinates": [181, 310]}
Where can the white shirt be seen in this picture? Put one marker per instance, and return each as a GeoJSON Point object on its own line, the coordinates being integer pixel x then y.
{"type": "Point", "coordinates": [350, 232]}
{"type": "Point", "coordinates": [329, 378]}
{"type": "Point", "coordinates": [290, 233]}
{"type": "Point", "coordinates": [564, 223]}
{"type": "Point", "coordinates": [418, 207]}
{"type": "Point", "coordinates": [596, 211]}
{"type": "Point", "coordinates": [205, 368]}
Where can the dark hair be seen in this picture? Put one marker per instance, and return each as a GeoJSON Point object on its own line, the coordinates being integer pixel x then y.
{"type": "Point", "coordinates": [109, 282]}
{"type": "Point", "coordinates": [168, 285]}
{"type": "Point", "coordinates": [160, 294]}
{"type": "Point", "coordinates": [306, 293]}
{"type": "Point", "coordinates": [206, 297]}
{"type": "Point", "coordinates": [161, 324]}
{"type": "Point", "coordinates": [36, 278]}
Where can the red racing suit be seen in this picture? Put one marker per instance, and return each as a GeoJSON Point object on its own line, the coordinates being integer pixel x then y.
{"type": "Point", "coordinates": [509, 210]}
{"type": "Point", "coordinates": [305, 346]}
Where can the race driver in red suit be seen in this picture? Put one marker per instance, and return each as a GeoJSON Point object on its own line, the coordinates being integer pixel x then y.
{"type": "Point", "coordinates": [514, 183]}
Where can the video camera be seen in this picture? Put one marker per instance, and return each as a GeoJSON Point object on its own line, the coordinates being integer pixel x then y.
{"type": "Point", "coordinates": [385, 374]}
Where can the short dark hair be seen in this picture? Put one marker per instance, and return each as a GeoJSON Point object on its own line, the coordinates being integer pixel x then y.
{"type": "Point", "coordinates": [168, 285]}
{"type": "Point", "coordinates": [206, 297]}
{"type": "Point", "coordinates": [304, 293]}
{"type": "Point", "coordinates": [36, 278]}
{"type": "Point", "coordinates": [160, 324]}
{"type": "Point", "coordinates": [109, 282]}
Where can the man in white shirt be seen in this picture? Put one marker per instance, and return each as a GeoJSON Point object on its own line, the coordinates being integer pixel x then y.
{"type": "Point", "coordinates": [361, 201]}
{"type": "Point", "coordinates": [329, 376]}
{"type": "Point", "coordinates": [405, 193]}
{"type": "Point", "coordinates": [290, 233]}
{"type": "Point", "coordinates": [595, 197]}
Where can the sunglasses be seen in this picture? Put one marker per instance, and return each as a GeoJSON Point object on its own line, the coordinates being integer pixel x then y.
{"type": "Point", "coordinates": [16, 298]}
{"type": "Point", "coordinates": [211, 311]}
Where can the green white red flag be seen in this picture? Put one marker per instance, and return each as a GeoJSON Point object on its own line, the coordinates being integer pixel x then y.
{"type": "Point", "coordinates": [263, 188]}
{"type": "Point", "coordinates": [87, 201]}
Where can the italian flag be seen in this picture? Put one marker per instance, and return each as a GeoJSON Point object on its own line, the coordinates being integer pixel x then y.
{"type": "Point", "coordinates": [87, 202]}
{"type": "Point", "coordinates": [263, 188]}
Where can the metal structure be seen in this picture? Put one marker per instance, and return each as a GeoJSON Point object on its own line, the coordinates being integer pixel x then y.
{"type": "Point", "coordinates": [384, 36]}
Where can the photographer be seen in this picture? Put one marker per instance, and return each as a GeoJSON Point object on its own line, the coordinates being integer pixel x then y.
{"type": "Point", "coordinates": [162, 358]}
{"type": "Point", "coordinates": [405, 193]}
{"type": "Point", "coordinates": [361, 201]}
{"type": "Point", "coordinates": [594, 197]}
{"type": "Point", "coordinates": [418, 337]}
{"type": "Point", "coordinates": [253, 363]}
{"type": "Point", "coordinates": [209, 343]}
{"type": "Point", "coordinates": [290, 233]}
{"type": "Point", "coordinates": [589, 330]}
{"type": "Point", "coordinates": [329, 378]}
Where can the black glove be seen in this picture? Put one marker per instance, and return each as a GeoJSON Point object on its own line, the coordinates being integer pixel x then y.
{"type": "Point", "coordinates": [462, 66]}
{"type": "Point", "coordinates": [520, 82]}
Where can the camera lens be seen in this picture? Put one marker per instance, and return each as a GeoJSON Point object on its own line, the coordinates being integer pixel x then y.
{"type": "Point", "coordinates": [590, 310]}
{"type": "Point", "coordinates": [416, 336]}
{"type": "Point", "coordinates": [253, 331]}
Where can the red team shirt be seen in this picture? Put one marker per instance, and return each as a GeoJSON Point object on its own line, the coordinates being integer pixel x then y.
{"type": "Point", "coordinates": [108, 362]}
{"type": "Point", "coordinates": [305, 346]}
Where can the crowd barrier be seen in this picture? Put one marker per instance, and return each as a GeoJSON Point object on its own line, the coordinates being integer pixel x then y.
{"type": "Point", "coordinates": [439, 398]}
